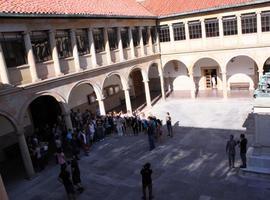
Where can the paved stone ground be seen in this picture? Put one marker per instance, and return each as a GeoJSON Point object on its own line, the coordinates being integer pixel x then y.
{"type": "Point", "coordinates": [191, 165]}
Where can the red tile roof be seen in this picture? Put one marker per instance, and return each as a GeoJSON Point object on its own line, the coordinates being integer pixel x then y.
{"type": "Point", "coordinates": [171, 7]}
{"type": "Point", "coordinates": [75, 7]}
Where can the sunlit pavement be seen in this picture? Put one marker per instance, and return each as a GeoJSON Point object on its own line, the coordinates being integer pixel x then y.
{"type": "Point", "coordinates": [191, 165]}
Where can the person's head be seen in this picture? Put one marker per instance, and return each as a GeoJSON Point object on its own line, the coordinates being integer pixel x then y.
{"type": "Point", "coordinates": [242, 136]}
{"type": "Point", "coordinates": [147, 166]}
{"type": "Point", "coordinates": [168, 113]}
{"type": "Point", "coordinates": [231, 137]}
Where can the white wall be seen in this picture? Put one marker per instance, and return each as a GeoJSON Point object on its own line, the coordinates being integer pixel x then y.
{"type": "Point", "coordinates": [174, 69]}
{"type": "Point", "coordinates": [113, 80]}
{"type": "Point", "coordinates": [241, 64]}
{"type": "Point", "coordinates": [79, 95]}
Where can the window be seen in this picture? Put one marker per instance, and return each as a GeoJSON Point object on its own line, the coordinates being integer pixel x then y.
{"type": "Point", "coordinates": [229, 25]}
{"type": "Point", "coordinates": [164, 33]}
{"type": "Point", "coordinates": [154, 34]}
{"type": "Point", "coordinates": [125, 37]}
{"type": "Point", "coordinates": [195, 29]}
{"type": "Point", "coordinates": [82, 41]}
{"type": "Point", "coordinates": [13, 49]}
{"type": "Point", "coordinates": [179, 31]}
{"type": "Point", "coordinates": [135, 36]}
{"type": "Point", "coordinates": [92, 98]}
{"type": "Point", "coordinates": [63, 44]}
{"type": "Point", "coordinates": [41, 45]}
{"type": "Point", "coordinates": [145, 36]}
{"type": "Point", "coordinates": [211, 27]}
{"type": "Point", "coordinates": [99, 40]}
{"type": "Point", "coordinates": [113, 41]}
{"type": "Point", "coordinates": [249, 23]}
{"type": "Point", "coordinates": [265, 16]}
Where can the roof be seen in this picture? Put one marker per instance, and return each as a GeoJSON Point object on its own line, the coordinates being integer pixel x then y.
{"type": "Point", "coordinates": [173, 7]}
{"type": "Point", "coordinates": [118, 8]}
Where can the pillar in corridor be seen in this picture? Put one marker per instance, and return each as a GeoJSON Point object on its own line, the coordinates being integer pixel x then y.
{"type": "Point", "coordinates": [127, 99]}
{"type": "Point", "coordinates": [193, 87]}
{"type": "Point", "coordinates": [25, 153]}
{"type": "Point", "coordinates": [120, 45]}
{"type": "Point", "coordinates": [163, 94]}
{"type": "Point", "coordinates": [3, 192]}
{"type": "Point", "coordinates": [224, 85]}
{"type": "Point", "coordinates": [150, 42]}
{"type": "Point", "coordinates": [68, 121]}
{"type": "Point", "coordinates": [260, 71]}
{"type": "Point", "coordinates": [101, 106]}
{"type": "Point", "coordinates": [141, 41]}
{"type": "Point", "coordinates": [55, 57]}
{"type": "Point", "coordinates": [147, 93]}
{"type": "Point", "coordinates": [92, 48]}
{"type": "Point", "coordinates": [107, 46]}
{"type": "Point", "coordinates": [75, 51]}
{"type": "Point", "coordinates": [30, 57]}
{"type": "Point", "coordinates": [3, 68]}
{"type": "Point", "coordinates": [131, 44]}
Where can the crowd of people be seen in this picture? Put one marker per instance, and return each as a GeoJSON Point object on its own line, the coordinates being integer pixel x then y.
{"type": "Point", "coordinates": [88, 128]}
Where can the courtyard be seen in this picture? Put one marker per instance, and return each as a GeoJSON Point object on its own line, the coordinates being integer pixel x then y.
{"type": "Point", "coordinates": [191, 165]}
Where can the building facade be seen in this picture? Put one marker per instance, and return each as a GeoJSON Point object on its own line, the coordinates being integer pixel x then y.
{"type": "Point", "coordinates": [57, 60]}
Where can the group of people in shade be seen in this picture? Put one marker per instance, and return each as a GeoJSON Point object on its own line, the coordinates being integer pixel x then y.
{"type": "Point", "coordinates": [231, 150]}
{"type": "Point", "coordinates": [88, 128]}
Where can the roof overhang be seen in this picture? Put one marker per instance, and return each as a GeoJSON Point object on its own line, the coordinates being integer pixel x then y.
{"type": "Point", "coordinates": [214, 9]}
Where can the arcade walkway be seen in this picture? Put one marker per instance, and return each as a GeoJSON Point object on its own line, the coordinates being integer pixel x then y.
{"type": "Point", "coordinates": [190, 166]}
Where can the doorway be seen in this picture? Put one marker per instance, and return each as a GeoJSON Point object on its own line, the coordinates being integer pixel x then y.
{"type": "Point", "coordinates": [210, 78]}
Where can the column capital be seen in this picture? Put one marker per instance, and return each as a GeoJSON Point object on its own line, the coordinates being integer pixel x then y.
{"type": "Point", "coordinates": [260, 70]}
{"type": "Point", "coordinates": [53, 31]}
{"type": "Point", "coordinates": [26, 32]}
{"type": "Point", "coordinates": [258, 12]}
{"type": "Point", "coordinates": [146, 81]}
{"type": "Point", "coordinates": [126, 88]}
{"type": "Point", "coordinates": [223, 73]}
{"type": "Point", "coordinates": [100, 99]}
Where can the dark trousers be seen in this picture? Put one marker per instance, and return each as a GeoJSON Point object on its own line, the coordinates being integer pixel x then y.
{"type": "Point", "coordinates": [231, 157]}
{"type": "Point", "coordinates": [169, 128]}
{"type": "Point", "coordinates": [244, 159]}
{"type": "Point", "coordinates": [149, 187]}
{"type": "Point", "coordinates": [151, 141]}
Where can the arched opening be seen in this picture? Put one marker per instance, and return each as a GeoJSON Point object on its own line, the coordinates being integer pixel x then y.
{"type": "Point", "coordinates": [42, 120]}
{"type": "Point", "coordinates": [114, 94]}
{"type": "Point", "coordinates": [242, 75]}
{"type": "Point", "coordinates": [207, 78]}
{"type": "Point", "coordinates": [10, 156]}
{"type": "Point", "coordinates": [137, 90]}
{"type": "Point", "coordinates": [176, 79]}
{"type": "Point", "coordinates": [154, 82]}
{"type": "Point", "coordinates": [83, 98]}
{"type": "Point", "coordinates": [266, 66]}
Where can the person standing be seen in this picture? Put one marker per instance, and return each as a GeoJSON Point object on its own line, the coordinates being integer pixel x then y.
{"type": "Point", "coordinates": [243, 150]}
{"type": "Point", "coordinates": [76, 175]}
{"type": "Point", "coordinates": [146, 173]}
{"type": "Point", "coordinates": [151, 133]}
{"type": "Point", "coordinates": [64, 178]}
{"type": "Point", "coordinates": [230, 150]}
{"type": "Point", "coordinates": [169, 124]}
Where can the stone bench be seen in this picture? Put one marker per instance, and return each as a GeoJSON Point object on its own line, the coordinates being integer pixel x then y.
{"type": "Point", "coordinates": [239, 86]}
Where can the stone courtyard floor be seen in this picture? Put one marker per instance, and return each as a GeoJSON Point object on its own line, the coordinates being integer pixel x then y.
{"type": "Point", "coordinates": [190, 166]}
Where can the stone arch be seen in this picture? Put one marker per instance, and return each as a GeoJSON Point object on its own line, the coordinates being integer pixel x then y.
{"type": "Point", "coordinates": [9, 118]}
{"type": "Point", "coordinates": [197, 59]}
{"type": "Point", "coordinates": [206, 71]}
{"type": "Point", "coordinates": [62, 103]}
{"type": "Point", "coordinates": [123, 80]}
{"type": "Point", "coordinates": [245, 72]}
{"type": "Point", "coordinates": [143, 72]}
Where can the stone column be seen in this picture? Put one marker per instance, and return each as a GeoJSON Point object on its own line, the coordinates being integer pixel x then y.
{"type": "Point", "coordinates": [259, 25]}
{"type": "Point", "coordinates": [3, 68]}
{"type": "Point", "coordinates": [220, 25]}
{"type": "Point", "coordinates": [3, 193]}
{"type": "Point", "coordinates": [193, 89]}
{"type": "Point", "coordinates": [30, 57]}
{"type": "Point", "coordinates": [68, 121]}
{"type": "Point", "coordinates": [127, 99]}
{"type": "Point", "coordinates": [150, 42]}
{"type": "Point", "coordinates": [224, 85]}
{"type": "Point", "coordinates": [101, 106]}
{"type": "Point", "coordinates": [186, 30]}
{"type": "Point", "coordinates": [141, 41]}
{"type": "Point", "coordinates": [120, 45]}
{"type": "Point", "coordinates": [75, 51]}
{"type": "Point", "coordinates": [25, 153]}
{"type": "Point", "coordinates": [147, 93]}
{"type": "Point", "coordinates": [203, 29]}
{"type": "Point", "coordinates": [239, 25]}
{"type": "Point", "coordinates": [107, 46]}
{"type": "Point", "coordinates": [260, 71]}
{"type": "Point", "coordinates": [55, 57]}
{"type": "Point", "coordinates": [92, 47]}
{"type": "Point", "coordinates": [131, 44]}
{"type": "Point", "coordinates": [163, 93]}
{"type": "Point", "coordinates": [171, 33]}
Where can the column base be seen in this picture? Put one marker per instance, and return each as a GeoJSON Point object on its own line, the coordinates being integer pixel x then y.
{"type": "Point", "coordinates": [258, 160]}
